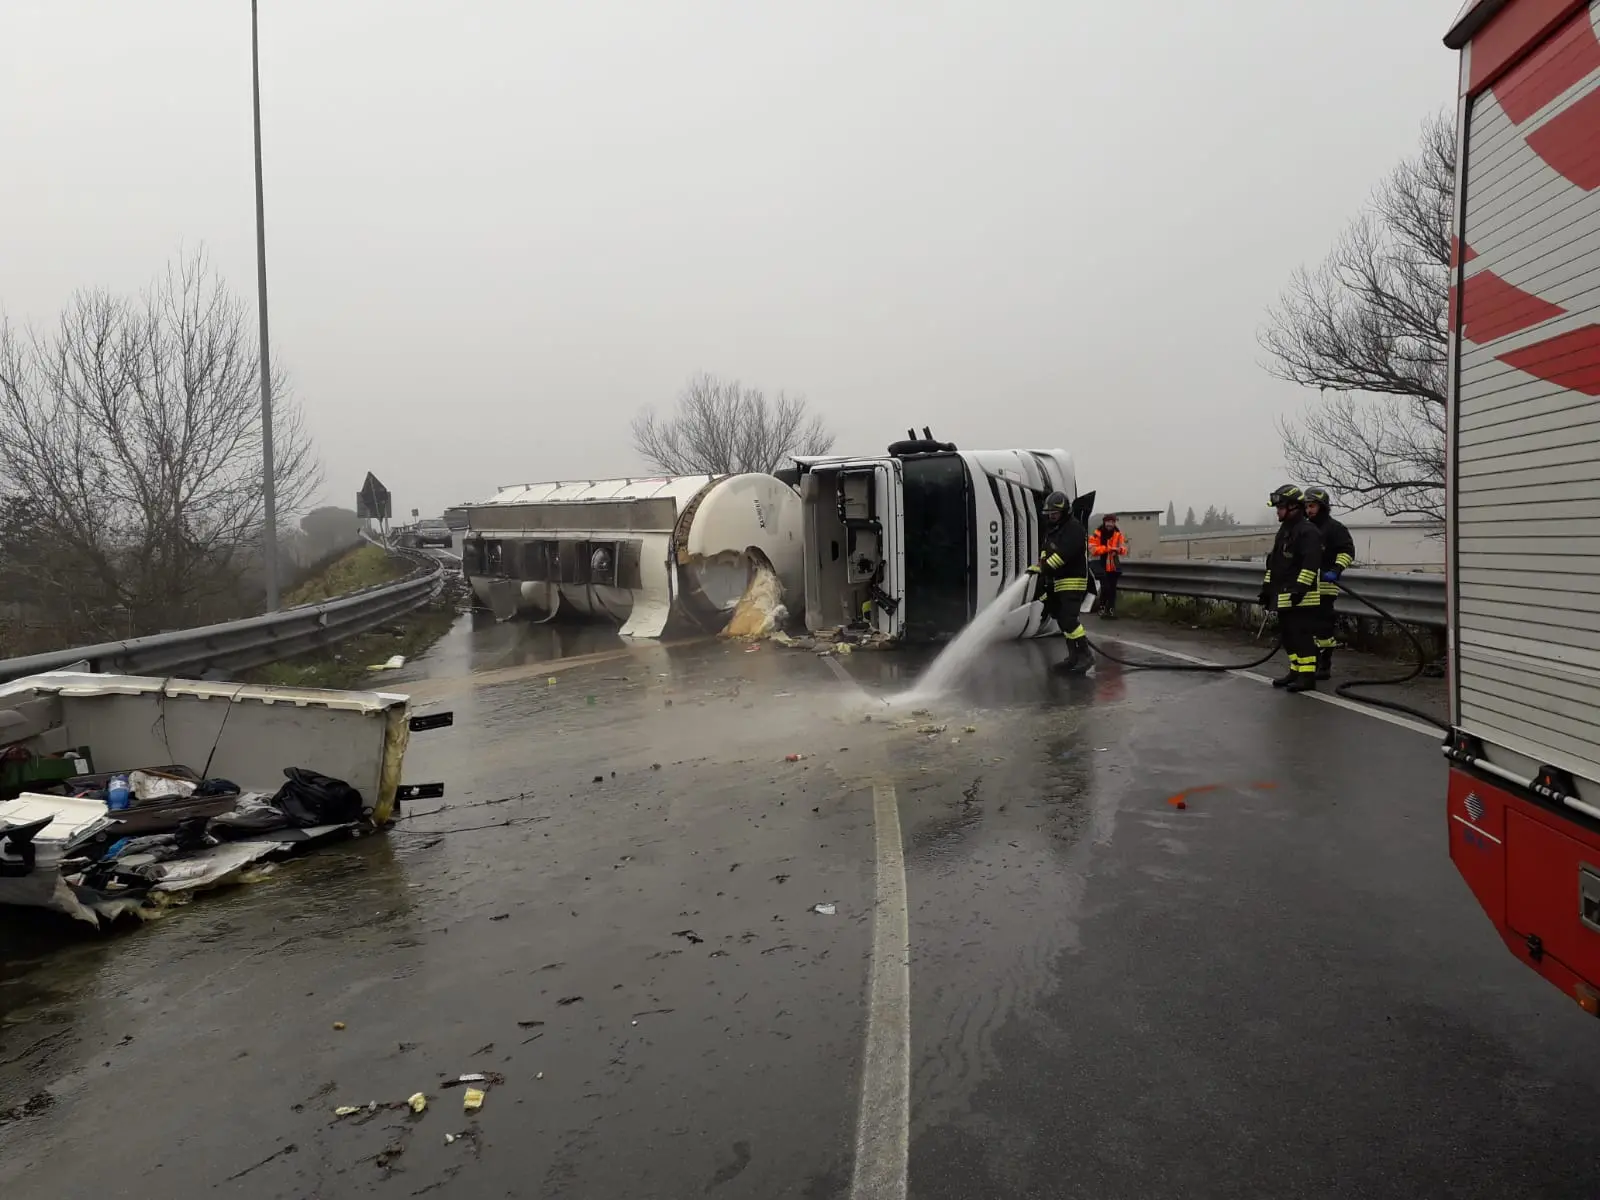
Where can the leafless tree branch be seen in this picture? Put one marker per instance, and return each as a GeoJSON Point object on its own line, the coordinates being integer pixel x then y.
{"type": "Point", "coordinates": [1370, 326]}
{"type": "Point", "coordinates": [130, 454]}
{"type": "Point", "coordinates": [721, 427]}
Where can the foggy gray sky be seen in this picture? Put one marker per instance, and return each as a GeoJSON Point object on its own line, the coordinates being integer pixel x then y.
{"type": "Point", "coordinates": [496, 228]}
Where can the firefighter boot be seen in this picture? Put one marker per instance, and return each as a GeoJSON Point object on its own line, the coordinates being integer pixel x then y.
{"type": "Point", "coordinates": [1303, 681]}
{"type": "Point", "coordinates": [1325, 663]}
{"type": "Point", "coordinates": [1284, 680]}
{"type": "Point", "coordinates": [1077, 660]}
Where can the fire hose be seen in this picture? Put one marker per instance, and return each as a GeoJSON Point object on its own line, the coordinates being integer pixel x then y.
{"type": "Point", "coordinates": [1346, 689]}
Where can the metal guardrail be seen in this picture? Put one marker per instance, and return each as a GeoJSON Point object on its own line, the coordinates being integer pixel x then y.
{"type": "Point", "coordinates": [238, 645]}
{"type": "Point", "coordinates": [1413, 599]}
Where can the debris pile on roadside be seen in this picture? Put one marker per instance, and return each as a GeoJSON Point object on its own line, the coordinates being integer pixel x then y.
{"type": "Point", "coordinates": [842, 640]}
{"type": "Point", "coordinates": [103, 811]}
{"type": "Point", "coordinates": [177, 834]}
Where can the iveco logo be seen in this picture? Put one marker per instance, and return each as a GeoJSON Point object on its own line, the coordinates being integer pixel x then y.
{"type": "Point", "coordinates": [1474, 806]}
{"type": "Point", "coordinates": [994, 549]}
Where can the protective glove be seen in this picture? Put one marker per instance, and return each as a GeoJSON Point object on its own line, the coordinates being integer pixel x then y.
{"type": "Point", "coordinates": [1297, 593]}
{"type": "Point", "coordinates": [1331, 576]}
{"type": "Point", "coordinates": [1265, 598]}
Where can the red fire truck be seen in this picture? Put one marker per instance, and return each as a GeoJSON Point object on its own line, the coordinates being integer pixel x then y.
{"type": "Point", "coordinates": [1524, 482]}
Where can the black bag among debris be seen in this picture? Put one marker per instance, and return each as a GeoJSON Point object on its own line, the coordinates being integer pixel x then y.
{"type": "Point", "coordinates": [311, 798]}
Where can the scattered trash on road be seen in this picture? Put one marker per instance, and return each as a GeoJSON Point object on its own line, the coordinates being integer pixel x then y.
{"type": "Point", "coordinates": [969, 729]}
{"type": "Point", "coordinates": [418, 1102]}
{"type": "Point", "coordinates": [393, 663]}
{"type": "Point", "coordinates": [338, 1025]}
{"type": "Point", "coordinates": [566, 1000]}
{"type": "Point", "coordinates": [930, 729]}
{"type": "Point", "coordinates": [490, 1078]}
{"type": "Point", "coordinates": [793, 757]}
{"type": "Point", "coordinates": [471, 1100]}
{"type": "Point", "coordinates": [551, 682]}
{"type": "Point", "coordinates": [693, 937]}
{"type": "Point", "coordinates": [825, 910]}
{"type": "Point", "coordinates": [500, 917]}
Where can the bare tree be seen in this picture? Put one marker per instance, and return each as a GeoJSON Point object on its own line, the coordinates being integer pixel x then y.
{"type": "Point", "coordinates": [130, 438]}
{"type": "Point", "coordinates": [1369, 330]}
{"type": "Point", "coordinates": [721, 427]}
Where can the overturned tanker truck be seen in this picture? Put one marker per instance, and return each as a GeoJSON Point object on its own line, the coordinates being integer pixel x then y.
{"type": "Point", "coordinates": [633, 552]}
{"type": "Point", "coordinates": [911, 544]}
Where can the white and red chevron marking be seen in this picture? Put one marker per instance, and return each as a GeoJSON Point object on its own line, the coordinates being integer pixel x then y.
{"type": "Point", "coordinates": [1531, 251]}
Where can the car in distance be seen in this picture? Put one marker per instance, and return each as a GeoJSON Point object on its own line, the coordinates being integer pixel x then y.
{"type": "Point", "coordinates": [431, 532]}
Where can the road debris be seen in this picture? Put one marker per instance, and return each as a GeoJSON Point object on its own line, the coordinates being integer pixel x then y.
{"type": "Point", "coordinates": [930, 729]}
{"type": "Point", "coordinates": [472, 1100]}
{"type": "Point", "coordinates": [969, 729]}
{"type": "Point", "coordinates": [793, 757]}
{"type": "Point", "coordinates": [393, 663]}
{"type": "Point", "coordinates": [693, 937]}
{"type": "Point", "coordinates": [489, 1078]}
{"type": "Point", "coordinates": [338, 1025]}
{"type": "Point", "coordinates": [826, 909]}
{"type": "Point", "coordinates": [566, 1000]}
{"type": "Point", "coordinates": [418, 1102]}
{"type": "Point", "coordinates": [500, 917]}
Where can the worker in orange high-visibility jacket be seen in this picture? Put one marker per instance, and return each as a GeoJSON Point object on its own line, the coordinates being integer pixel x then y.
{"type": "Point", "coordinates": [1107, 548]}
{"type": "Point", "coordinates": [1291, 588]}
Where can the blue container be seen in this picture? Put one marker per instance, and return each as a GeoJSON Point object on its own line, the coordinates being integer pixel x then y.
{"type": "Point", "coordinates": [117, 794]}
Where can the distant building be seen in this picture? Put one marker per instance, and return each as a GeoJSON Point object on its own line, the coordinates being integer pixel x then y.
{"type": "Point", "coordinates": [1142, 528]}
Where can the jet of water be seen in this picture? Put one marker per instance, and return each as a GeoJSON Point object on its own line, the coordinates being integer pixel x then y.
{"type": "Point", "coordinates": [956, 659]}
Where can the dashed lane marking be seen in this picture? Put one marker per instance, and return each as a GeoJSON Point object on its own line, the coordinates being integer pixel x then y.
{"type": "Point", "coordinates": [883, 1119]}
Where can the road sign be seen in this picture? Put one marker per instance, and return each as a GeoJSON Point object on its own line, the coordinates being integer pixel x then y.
{"type": "Point", "coordinates": [373, 501]}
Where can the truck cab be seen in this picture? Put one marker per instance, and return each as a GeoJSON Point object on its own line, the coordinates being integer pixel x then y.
{"type": "Point", "coordinates": [911, 544]}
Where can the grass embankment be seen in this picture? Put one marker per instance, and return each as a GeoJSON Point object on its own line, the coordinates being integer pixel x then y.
{"type": "Point", "coordinates": [361, 567]}
{"type": "Point", "coordinates": [346, 664]}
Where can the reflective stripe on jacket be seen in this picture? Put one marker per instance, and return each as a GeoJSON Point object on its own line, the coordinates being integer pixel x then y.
{"type": "Point", "coordinates": [1295, 564]}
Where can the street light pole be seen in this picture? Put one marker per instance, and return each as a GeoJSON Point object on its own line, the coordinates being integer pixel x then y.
{"type": "Point", "coordinates": [269, 530]}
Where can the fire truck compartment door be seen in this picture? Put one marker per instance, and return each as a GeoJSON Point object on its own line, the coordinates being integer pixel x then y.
{"type": "Point", "coordinates": [1553, 892]}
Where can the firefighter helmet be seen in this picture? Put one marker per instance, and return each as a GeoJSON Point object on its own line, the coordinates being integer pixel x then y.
{"type": "Point", "coordinates": [1287, 495]}
{"type": "Point", "coordinates": [1055, 508]}
{"type": "Point", "coordinates": [1320, 496]}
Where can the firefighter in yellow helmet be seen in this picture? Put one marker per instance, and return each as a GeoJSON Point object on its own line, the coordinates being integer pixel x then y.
{"type": "Point", "coordinates": [1063, 573]}
{"type": "Point", "coordinates": [1338, 552]}
{"type": "Point", "coordinates": [1290, 588]}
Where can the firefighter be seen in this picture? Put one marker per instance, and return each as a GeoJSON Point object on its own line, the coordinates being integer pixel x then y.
{"type": "Point", "coordinates": [1291, 586]}
{"type": "Point", "coordinates": [1338, 552]}
{"type": "Point", "coordinates": [1108, 547]}
{"type": "Point", "coordinates": [1063, 578]}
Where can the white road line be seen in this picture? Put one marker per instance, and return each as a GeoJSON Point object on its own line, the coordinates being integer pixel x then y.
{"type": "Point", "coordinates": [883, 1120]}
{"type": "Point", "coordinates": [1366, 710]}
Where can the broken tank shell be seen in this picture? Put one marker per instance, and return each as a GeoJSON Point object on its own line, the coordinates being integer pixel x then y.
{"type": "Point", "coordinates": [633, 552]}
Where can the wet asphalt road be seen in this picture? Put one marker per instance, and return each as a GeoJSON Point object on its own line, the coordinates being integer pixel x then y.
{"type": "Point", "coordinates": [1282, 990]}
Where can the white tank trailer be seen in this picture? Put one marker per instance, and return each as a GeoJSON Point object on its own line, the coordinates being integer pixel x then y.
{"type": "Point", "coordinates": [634, 552]}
